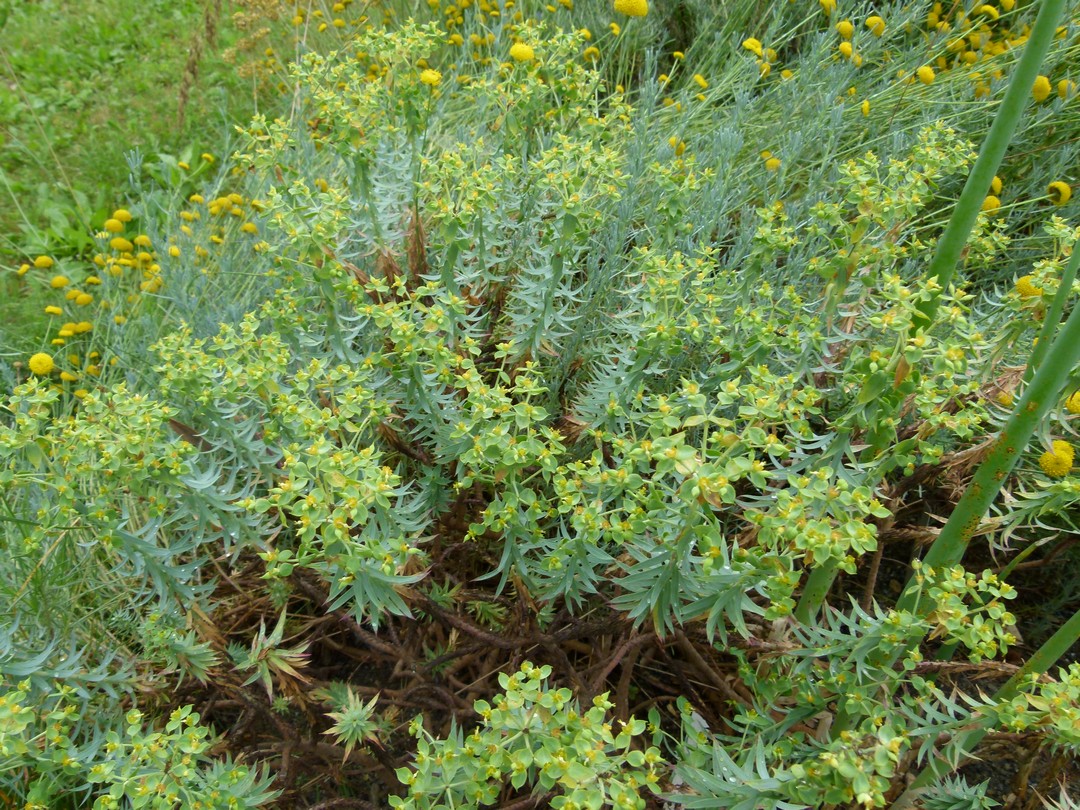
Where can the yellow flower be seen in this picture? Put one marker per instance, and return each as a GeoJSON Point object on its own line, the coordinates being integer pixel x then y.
{"type": "Point", "coordinates": [67, 376]}
{"type": "Point", "coordinates": [430, 77]}
{"type": "Point", "coordinates": [122, 214]}
{"type": "Point", "coordinates": [1005, 398]}
{"type": "Point", "coordinates": [23, 270]}
{"type": "Point", "coordinates": [82, 299]}
{"type": "Point", "coordinates": [991, 203]}
{"type": "Point", "coordinates": [700, 80]}
{"type": "Point", "coordinates": [876, 25]}
{"type": "Point", "coordinates": [632, 8]}
{"type": "Point", "coordinates": [995, 185]}
{"type": "Point", "coordinates": [183, 165]}
{"type": "Point", "coordinates": [1040, 91]}
{"type": "Point", "coordinates": [614, 28]}
{"type": "Point", "coordinates": [1025, 287]}
{"type": "Point", "coordinates": [114, 225]}
{"type": "Point", "coordinates": [1058, 461]}
{"type": "Point", "coordinates": [865, 107]}
{"type": "Point", "coordinates": [845, 29]}
{"type": "Point", "coordinates": [772, 164]}
{"type": "Point", "coordinates": [41, 364]}
{"type": "Point", "coordinates": [753, 45]}
{"type": "Point", "coordinates": [678, 55]}
{"type": "Point", "coordinates": [845, 49]}
{"type": "Point", "coordinates": [786, 74]}
{"type": "Point", "coordinates": [1065, 88]}
{"type": "Point", "coordinates": [59, 282]}
{"type": "Point", "coordinates": [520, 52]}
{"type": "Point", "coordinates": [43, 262]}
{"type": "Point", "coordinates": [121, 244]}
{"type": "Point", "coordinates": [53, 310]}
{"type": "Point", "coordinates": [1060, 192]}
{"type": "Point", "coordinates": [206, 156]}
{"type": "Point", "coordinates": [678, 144]}
{"type": "Point", "coordinates": [591, 54]}
{"type": "Point", "coordinates": [1072, 404]}
{"type": "Point", "coordinates": [828, 6]}
{"type": "Point", "coordinates": [925, 74]}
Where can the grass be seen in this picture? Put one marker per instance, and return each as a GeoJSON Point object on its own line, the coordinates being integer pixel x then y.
{"type": "Point", "coordinates": [83, 85]}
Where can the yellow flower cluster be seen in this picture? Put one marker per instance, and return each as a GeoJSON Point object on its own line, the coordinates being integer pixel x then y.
{"type": "Point", "coordinates": [1058, 461]}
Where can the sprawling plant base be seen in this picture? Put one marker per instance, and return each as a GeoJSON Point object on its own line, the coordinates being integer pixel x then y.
{"type": "Point", "coordinates": [518, 431]}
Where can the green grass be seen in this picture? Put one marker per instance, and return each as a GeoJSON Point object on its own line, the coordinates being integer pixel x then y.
{"type": "Point", "coordinates": [81, 86]}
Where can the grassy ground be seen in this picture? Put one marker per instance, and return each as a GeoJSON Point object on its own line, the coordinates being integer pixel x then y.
{"type": "Point", "coordinates": [81, 86]}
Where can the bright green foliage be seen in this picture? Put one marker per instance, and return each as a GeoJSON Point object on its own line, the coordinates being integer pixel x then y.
{"type": "Point", "coordinates": [352, 722]}
{"type": "Point", "coordinates": [505, 313]}
{"type": "Point", "coordinates": [966, 608]}
{"type": "Point", "coordinates": [129, 766]}
{"type": "Point", "coordinates": [533, 736]}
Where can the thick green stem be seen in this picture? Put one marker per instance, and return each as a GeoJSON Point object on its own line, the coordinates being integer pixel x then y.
{"type": "Point", "coordinates": [1038, 664]}
{"type": "Point", "coordinates": [951, 244]}
{"type": "Point", "coordinates": [1038, 399]}
{"type": "Point", "coordinates": [952, 241]}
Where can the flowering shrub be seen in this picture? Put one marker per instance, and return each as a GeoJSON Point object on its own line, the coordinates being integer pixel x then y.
{"type": "Point", "coordinates": [494, 347]}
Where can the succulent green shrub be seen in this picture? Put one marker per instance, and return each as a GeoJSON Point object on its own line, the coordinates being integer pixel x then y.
{"type": "Point", "coordinates": [504, 306]}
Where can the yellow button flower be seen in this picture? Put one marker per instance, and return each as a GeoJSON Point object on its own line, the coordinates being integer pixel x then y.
{"type": "Point", "coordinates": [753, 45]}
{"type": "Point", "coordinates": [41, 364]}
{"type": "Point", "coordinates": [1058, 461]}
{"type": "Point", "coordinates": [520, 52]}
{"type": "Point", "coordinates": [1025, 287]}
{"type": "Point", "coordinates": [59, 282]}
{"type": "Point", "coordinates": [1040, 91]}
{"type": "Point", "coordinates": [1060, 192]}
{"type": "Point", "coordinates": [1072, 404]}
{"type": "Point", "coordinates": [925, 74]}
{"type": "Point", "coordinates": [845, 29]}
{"type": "Point", "coordinates": [122, 214]}
{"type": "Point", "coordinates": [991, 203]}
{"type": "Point", "coordinates": [430, 77]}
{"type": "Point", "coordinates": [632, 8]}
{"type": "Point", "coordinates": [43, 262]}
{"type": "Point", "coordinates": [876, 25]}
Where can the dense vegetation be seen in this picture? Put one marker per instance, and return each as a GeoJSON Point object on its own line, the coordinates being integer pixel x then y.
{"type": "Point", "coordinates": [569, 407]}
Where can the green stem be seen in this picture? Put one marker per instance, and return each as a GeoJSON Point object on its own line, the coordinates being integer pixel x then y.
{"type": "Point", "coordinates": [954, 238]}
{"type": "Point", "coordinates": [1038, 399]}
{"type": "Point", "coordinates": [952, 241]}
{"type": "Point", "coordinates": [1053, 316]}
{"type": "Point", "coordinates": [1038, 664]}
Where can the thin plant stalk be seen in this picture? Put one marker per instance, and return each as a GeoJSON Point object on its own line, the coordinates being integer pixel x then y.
{"type": "Point", "coordinates": [956, 233]}
{"type": "Point", "coordinates": [1053, 316]}
{"type": "Point", "coordinates": [965, 213]}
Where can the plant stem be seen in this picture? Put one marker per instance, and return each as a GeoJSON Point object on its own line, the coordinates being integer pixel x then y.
{"type": "Point", "coordinates": [954, 238]}
{"type": "Point", "coordinates": [1038, 399]}
{"type": "Point", "coordinates": [1053, 316]}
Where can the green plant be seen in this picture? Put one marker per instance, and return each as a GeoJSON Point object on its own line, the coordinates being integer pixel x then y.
{"type": "Point", "coordinates": [532, 735]}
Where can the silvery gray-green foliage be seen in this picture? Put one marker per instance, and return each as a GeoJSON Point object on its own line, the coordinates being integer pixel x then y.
{"type": "Point", "coordinates": [507, 291]}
